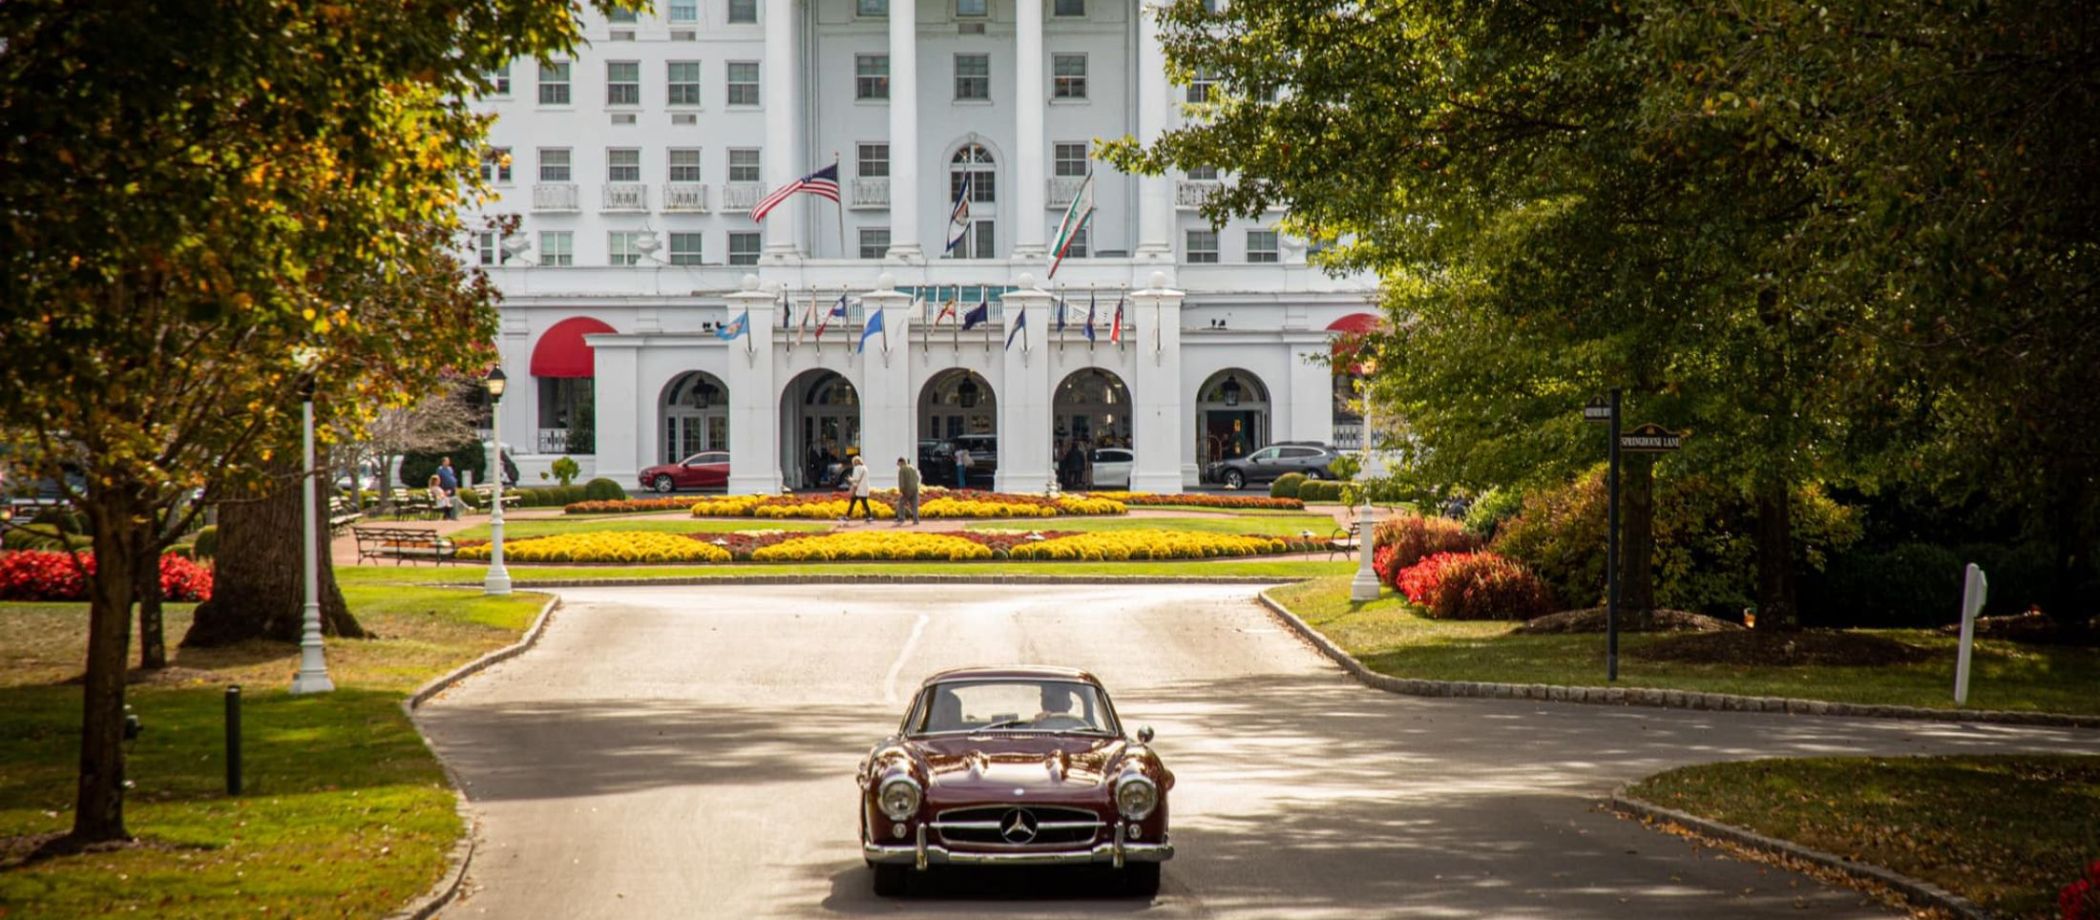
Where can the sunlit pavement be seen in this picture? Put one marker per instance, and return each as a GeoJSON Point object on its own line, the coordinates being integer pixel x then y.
{"type": "Point", "coordinates": [689, 752]}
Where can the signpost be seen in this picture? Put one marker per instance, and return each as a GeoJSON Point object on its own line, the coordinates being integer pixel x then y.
{"type": "Point", "coordinates": [1649, 438]}
{"type": "Point", "coordinates": [1973, 590]}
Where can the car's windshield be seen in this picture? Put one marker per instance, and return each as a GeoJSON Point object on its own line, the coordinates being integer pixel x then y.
{"type": "Point", "coordinates": [1011, 705]}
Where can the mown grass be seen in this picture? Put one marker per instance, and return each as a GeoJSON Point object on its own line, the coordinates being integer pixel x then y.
{"type": "Point", "coordinates": [1280, 570]}
{"type": "Point", "coordinates": [346, 812]}
{"type": "Point", "coordinates": [1390, 638]}
{"type": "Point", "coordinates": [2005, 831]}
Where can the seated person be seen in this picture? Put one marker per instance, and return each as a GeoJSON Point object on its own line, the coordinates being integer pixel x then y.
{"type": "Point", "coordinates": [1057, 709]}
{"type": "Point", "coordinates": [947, 714]}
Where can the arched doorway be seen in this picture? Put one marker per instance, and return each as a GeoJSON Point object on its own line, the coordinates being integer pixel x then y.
{"type": "Point", "coordinates": [1089, 410]}
{"type": "Point", "coordinates": [819, 428]}
{"type": "Point", "coordinates": [1232, 416]}
{"type": "Point", "coordinates": [694, 413]}
{"type": "Point", "coordinates": [973, 164]}
{"type": "Point", "coordinates": [958, 409]}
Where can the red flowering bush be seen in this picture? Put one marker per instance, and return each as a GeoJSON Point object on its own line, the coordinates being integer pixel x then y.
{"type": "Point", "coordinates": [1473, 586]}
{"type": "Point", "coordinates": [52, 576]}
{"type": "Point", "coordinates": [1414, 538]}
{"type": "Point", "coordinates": [2080, 900]}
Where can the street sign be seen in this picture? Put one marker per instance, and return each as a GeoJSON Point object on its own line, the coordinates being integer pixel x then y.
{"type": "Point", "coordinates": [1598, 410]}
{"type": "Point", "coordinates": [1650, 439]}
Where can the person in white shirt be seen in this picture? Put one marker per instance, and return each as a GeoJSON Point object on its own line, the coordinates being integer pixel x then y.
{"type": "Point", "coordinates": [962, 467]}
{"type": "Point", "coordinates": [857, 481]}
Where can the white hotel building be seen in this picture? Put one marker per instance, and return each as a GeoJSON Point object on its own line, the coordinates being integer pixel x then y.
{"type": "Point", "coordinates": [633, 168]}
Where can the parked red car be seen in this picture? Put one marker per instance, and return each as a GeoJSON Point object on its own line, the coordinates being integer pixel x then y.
{"type": "Point", "coordinates": [1021, 766]}
{"type": "Point", "coordinates": [708, 469]}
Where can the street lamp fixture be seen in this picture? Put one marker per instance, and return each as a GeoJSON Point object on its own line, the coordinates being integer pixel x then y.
{"type": "Point", "coordinates": [1364, 587]}
{"type": "Point", "coordinates": [1231, 389]}
{"type": "Point", "coordinates": [967, 394]}
{"type": "Point", "coordinates": [313, 661]}
{"type": "Point", "coordinates": [497, 582]}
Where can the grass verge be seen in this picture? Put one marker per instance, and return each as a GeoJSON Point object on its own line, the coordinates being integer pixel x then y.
{"type": "Point", "coordinates": [1388, 637]}
{"type": "Point", "coordinates": [2007, 832]}
{"type": "Point", "coordinates": [346, 812]}
{"type": "Point", "coordinates": [1283, 570]}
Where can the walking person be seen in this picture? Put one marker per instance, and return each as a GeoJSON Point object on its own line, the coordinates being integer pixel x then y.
{"type": "Point", "coordinates": [857, 479]}
{"type": "Point", "coordinates": [448, 479]}
{"type": "Point", "coordinates": [907, 493]}
{"type": "Point", "coordinates": [962, 467]}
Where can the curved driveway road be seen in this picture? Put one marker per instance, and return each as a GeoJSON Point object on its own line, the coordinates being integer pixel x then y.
{"type": "Point", "coordinates": [689, 752]}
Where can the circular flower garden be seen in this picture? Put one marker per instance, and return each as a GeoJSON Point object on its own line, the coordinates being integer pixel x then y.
{"type": "Point", "coordinates": [647, 547]}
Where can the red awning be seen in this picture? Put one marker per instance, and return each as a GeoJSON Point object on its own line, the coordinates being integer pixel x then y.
{"type": "Point", "coordinates": [1356, 324]}
{"type": "Point", "coordinates": [561, 352]}
{"type": "Point", "coordinates": [1351, 333]}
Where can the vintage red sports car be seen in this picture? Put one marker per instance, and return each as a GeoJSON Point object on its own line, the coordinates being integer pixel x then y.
{"type": "Point", "coordinates": [1018, 766]}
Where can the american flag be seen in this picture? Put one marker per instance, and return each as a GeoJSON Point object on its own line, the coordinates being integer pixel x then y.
{"type": "Point", "coordinates": [823, 183]}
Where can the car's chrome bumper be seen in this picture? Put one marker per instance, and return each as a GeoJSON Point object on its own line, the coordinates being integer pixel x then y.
{"type": "Point", "coordinates": [1115, 853]}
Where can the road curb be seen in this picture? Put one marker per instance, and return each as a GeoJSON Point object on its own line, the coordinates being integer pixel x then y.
{"type": "Point", "coordinates": [711, 580]}
{"type": "Point", "coordinates": [1662, 699]}
{"type": "Point", "coordinates": [1917, 892]}
{"type": "Point", "coordinates": [462, 854]}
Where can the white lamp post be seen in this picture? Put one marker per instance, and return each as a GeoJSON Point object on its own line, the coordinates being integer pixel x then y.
{"type": "Point", "coordinates": [313, 664]}
{"type": "Point", "coordinates": [1364, 587]}
{"type": "Point", "coordinates": [498, 580]}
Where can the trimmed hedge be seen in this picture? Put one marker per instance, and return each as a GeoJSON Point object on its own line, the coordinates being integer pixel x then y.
{"type": "Point", "coordinates": [46, 537]}
{"type": "Point", "coordinates": [1287, 486]}
{"type": "Point", "coordinates": [1474, 586]}
{"type": "Point", "coordinates": [206, 544]}
{"type": "Point", "coordinates": [1327, 490]}
{"type": "Point", "coordinates": [603, 490]}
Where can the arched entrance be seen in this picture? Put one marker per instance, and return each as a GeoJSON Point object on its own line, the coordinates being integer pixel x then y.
{"type": "Point", "coordinates": [973, 164]}
{"type": "Point", "coordinates": [694, 413]}
{"type": "Point", "coordinates": [819, 428]}
{"type": "Point", "coordinates": [958, 409]}
{"type": "Point", "coordinates": [1089, 410]}
{"type": "Point", "coordinates": [1232, 416]}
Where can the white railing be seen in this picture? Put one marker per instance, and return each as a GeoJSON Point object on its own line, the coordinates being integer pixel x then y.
{"type": "Point", "coordinates": [554, 196]}
{"type": "Point", "coordinates": [1348, 434]}
{"type": "Point", "coordinates": [553, 441]}
{"type": "Point", "coordinates": [685, 196]}
{"type": "Point", "coordinates": [625, 196]}
{"type": "Point", "coordinates": [1191, 193]}
{"type": "Point", "coordinates": [1060, 190]}
{"type": "Point", "coordinates": [740, 196]}
{"type": "Point", "coordinates": [871, 193]}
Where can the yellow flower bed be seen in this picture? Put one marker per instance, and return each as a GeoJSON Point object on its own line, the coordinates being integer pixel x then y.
{"type": "Point", "coordinates": [1089, 504]}
{"type": "Point", "coordinates": [968, 508]}
{"type": "Point", "coordinates": [819, 510]}
{"type": "Point", "coordinates": [609, 546]}
{"type": "Point", "coordinates": [1116, 546]}
{"type": "Point", "coordinates": [877, 546]}
{"type": "Point", "coordinates": [726, 506]}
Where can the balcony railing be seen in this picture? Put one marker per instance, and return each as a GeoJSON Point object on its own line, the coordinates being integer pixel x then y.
{"type": "Point", "coordinates": [1060, 190]}
{"type": "Point", "coordinates": [553, 440]}
{"type": "Point", "coordinates": [1348, 434]}
{"type": "Point", "coordinates": [740, 196]}
{"type": "Point", "coordinates": [554, 196]}
{"type": "Point", "coordinates": [685, 196]}
{"type": "Point", "coordinates": [625, 196]}
{"type": "Point", "coordinates": [871, 193]}
{"type": "Point", "coordinates": [1191, 193]}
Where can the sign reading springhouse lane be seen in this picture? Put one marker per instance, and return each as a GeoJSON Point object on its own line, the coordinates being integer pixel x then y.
{"type": "Point", "coordinates": [1650, 438]}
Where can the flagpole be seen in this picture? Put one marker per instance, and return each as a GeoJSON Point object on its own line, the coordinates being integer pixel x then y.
{"type": "Point", "coordinates": [841, 204]}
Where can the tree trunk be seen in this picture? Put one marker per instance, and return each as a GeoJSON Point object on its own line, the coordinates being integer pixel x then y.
{"type": "Point", "coordinates": [1637, 539]}
{"type": "Point", "coordinates": [153, 641]}
{"type": "Point", "coordinates": [98, 808]}
{"type": "Point", "coordinates": [1776, 607]}
{"type": "Point", "coordinates": [258, 587]}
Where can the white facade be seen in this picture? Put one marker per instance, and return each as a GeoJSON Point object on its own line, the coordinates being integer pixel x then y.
{"type": "Point", "coordinates": [632, 182]}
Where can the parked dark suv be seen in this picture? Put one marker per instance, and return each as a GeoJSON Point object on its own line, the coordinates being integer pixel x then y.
{"type": "Point", "coordinates": [1264, 465]}
{"type": "Point", "coordinates": [937, 459]}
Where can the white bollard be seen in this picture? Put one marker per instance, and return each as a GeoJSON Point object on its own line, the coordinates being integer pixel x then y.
{"type": "Point", "coordinates": [1974, 588]}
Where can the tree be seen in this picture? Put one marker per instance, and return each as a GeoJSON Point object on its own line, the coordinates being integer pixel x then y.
{"type": "Point", "coordinates": [197, 197]}
{"type": "Point", "coordinates": [441, 420]}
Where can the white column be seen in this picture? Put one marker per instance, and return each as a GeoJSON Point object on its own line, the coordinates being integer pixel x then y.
{"type": "Point", "coordinates": [623, 446]}
{"type": "Point", "coordinates": [1028, 128]}
{"type": "Point", "coordinates": [1155, 193]}
{"type": "Point", "coordinates": [904, 132]}
{"type": "Point", "coordinates": [754, 416]}
{"type": "Point", "coordinates": [888, 407]}
{"type": "Point", "coordinates": [1155, 388]}
{"type": "Point", "coordinates": [784, 237]}
{"type": "Point", "coordinates": [1311, 401]}
{"type": "Point", "coordinates": [1025, 392]}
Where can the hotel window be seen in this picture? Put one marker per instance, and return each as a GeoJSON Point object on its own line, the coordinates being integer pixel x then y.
{"type": "Point", "coordinates": [620, 17]}
{"type": "Point", "coordinates": [485, 244]}
{"type": "Point", "coordinates": [685, 10]}
{"type": "Point", "coordinates": [623, 164]}
{"type": "Point", "coordinates": [872, 8]}
{"type": "Point", "coordinates": [499, 81]}
{"type": "Point", "coordinates": [1079, 242]}
{"type": "Point", "coordinates": [1202, 87]}
{"type": "Point", "coordinates": [685, 164]}
{"type": "Point", "coordinates": [685, 248]}
{"type": "Point", "coordinates": [682, 79]}
{"type": "Point", "coordinates": [743, 247]}
{"type": "Point", "coordinates": [495, 164]}
{"type": "Point", "coordinates": [1068, 160]}
{"type": "Point", "coordinates": [1203, 246]}
{"type": "Point", "coordinates": [743, 164]}
{"type": "Point", "coordinates": [874, 242]}
{"type": "Point", "coordinates": [970, 8]}
{"type": "Point", "coordinates": [873, 160]}
{"type": "Point", "coordinates": [554, 164]}
{"type": "Point", "coordinates": [621, 246]}
{"type": "Point", "coordinates": [741, 11]}
{"type": "Point", "coordinates": [623, 83]}
{"type": "Point", "coordinates": [1203, 173]}
{"type": "Point", "coordinates": [1068, 76]}
{"type": "Point", "coordinates": [557, 247]}
{"type": "Point", "coordinates": [871, 76]}
{"type": "Point", "coordinates": [973, 76]}
{"type": "Point", "coordinates": [743, 82]}
{"type": "Point", "coordinates": [1261, 246]}
{"type": "Point", "coordinates": [1070, 8]}
{"type": "Point", "coordinates": [554, 83]}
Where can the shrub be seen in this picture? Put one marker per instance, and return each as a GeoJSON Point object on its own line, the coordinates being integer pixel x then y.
{"type": "Point", "coordinates": [603, 490]}
{"type": "Point", "coordinates": [1493, 507]}
{"type": "Point", "coordinates": [206, 543]}
{"type": "Point", "coordinates": [565, 470]}
{"type": "Point", "coordinates": [1474, 586]}
{"type": "Point", "coordinates": [1346, 466]}
{"type": "Point", "coordinates": [472, 456]}
{"type": "Point", "coordinates": [1325, 490]}
{"type": "Point", "coordinates": [1286, 486]}
{"type": "Point", "coordinates": [608, 546]}
{"type": "Point", "coordinates": [33, 575]}
{"type": "Point", "coordinates": [43, 537]}
{"type": "Point", "coordinates": [1559, 533]}
{"type": "Point", "coordinates": [1414, 537]}
{"type": "Point", "coordinates": [1910, 584]}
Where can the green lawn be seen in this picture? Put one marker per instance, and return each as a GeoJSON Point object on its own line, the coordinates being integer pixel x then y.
{"type": "Point", "coordinates": [1288, 524]}
{"type": "Point", "coordinates": [1390, 639]}
{"type": "Point", "coordinates": [2006, 831]}
{"type": "Point", "coordinates": [346, 811]}
{"type": "Point", "coordinates": [1280, 570]}
{"type": "Point", "coordinates": [677, 523]}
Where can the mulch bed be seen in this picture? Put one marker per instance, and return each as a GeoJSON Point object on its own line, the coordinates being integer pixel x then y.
{"type": "Point", "coordinates": [1781, 647]}
{"type": "Point", "coordinates": [21, 850]}
{"type": "Point", "coordinates": [1591, 620]}
{"type": "Point", "coordinates": [2033, 626]}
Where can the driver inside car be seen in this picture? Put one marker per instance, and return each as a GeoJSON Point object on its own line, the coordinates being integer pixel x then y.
{"type": "Point", "coordinates": [1057, 703]}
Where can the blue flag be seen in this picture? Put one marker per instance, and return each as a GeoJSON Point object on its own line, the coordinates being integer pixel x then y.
{"type": "Point", "coordinates": [1061, 308]}
{"type": "Point", "coordinates": [734, 328]}
{"type": "Point", "coordinates": [873, 327]}
{"type": "Point", "coordinates": [1020, 323]}
{"type": "Point", "coordinates": [1090, 316]}
{"type": "Point", "coordinates": [977, 315]}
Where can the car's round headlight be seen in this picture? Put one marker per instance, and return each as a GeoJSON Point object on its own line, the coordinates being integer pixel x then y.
{"type": "Point", "coordinates": [900, 797]}
{"type": "Point", "coordinates": [1136, 796]}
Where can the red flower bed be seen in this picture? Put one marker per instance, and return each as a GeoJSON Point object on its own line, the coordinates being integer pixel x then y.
{"type": "Point", "coordinates": [1204, 500]}
{"type": "Point", "coordinates": [2080, 900]}
{"type": "Point", "coordinates": [629, 506]}
{"type": "Point", "coordinates": [742, 545]}
{"type": "Point", "coordinates": [1473, 586]}
{"type": "Point", "coordinates": [35, 575]}
{"type": "Point", "coordinates": [1414, 538]}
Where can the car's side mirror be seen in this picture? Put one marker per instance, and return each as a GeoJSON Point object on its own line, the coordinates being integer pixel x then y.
{"type": "Point", "coordinates": [1145, 735]}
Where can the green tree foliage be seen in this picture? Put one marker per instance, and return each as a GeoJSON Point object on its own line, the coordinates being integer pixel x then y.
{"type": "Point", "coordinates": [1845, 242]}
{"type": "Point", "coordinates": [203, 207]}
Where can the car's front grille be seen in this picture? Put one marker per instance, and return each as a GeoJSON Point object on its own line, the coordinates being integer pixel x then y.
{"type": "Point", "coordinates": [1018, 826]}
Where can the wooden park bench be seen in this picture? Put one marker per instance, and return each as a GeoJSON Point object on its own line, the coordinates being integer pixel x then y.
{"type": "Point", "coordinates": [342, 513]}
{"type": "Point", "coordinates": [1345, 539]}
{"type": "Point", "coordinates": [403, 544]}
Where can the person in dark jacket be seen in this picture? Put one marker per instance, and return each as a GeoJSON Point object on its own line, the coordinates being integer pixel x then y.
{"type": "Point", "coordinates": [907, 493]}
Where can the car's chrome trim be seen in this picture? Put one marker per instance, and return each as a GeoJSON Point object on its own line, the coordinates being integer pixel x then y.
{"type": "Point", "coordinates": [1119, 844]}
{"type": "Point", "coordinates": [994, 825]}
{"type": "Point", "coordinates": [923, 854]}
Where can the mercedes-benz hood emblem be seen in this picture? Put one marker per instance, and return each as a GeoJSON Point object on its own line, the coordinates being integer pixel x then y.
{"type": "Point", "coordinates": [1017, 826]}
